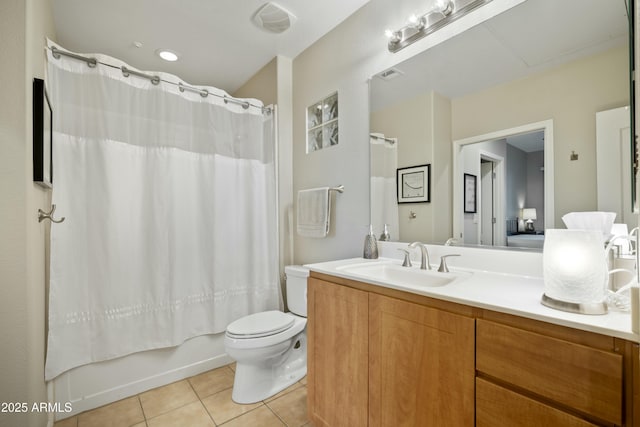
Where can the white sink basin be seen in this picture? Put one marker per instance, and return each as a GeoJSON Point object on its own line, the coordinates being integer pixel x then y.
{"type": "Point", "coordinates": [407, 276]}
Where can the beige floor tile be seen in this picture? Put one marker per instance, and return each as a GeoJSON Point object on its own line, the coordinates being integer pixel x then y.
{"type": "Point", "coordinates": [213, 381]}
{"type": "Point", "coordinates": [164, 399]}
{"type": "Point", "coordinates": [125, 412]}
{"type": "Point", "coordinates": [303, 381]}
{"type": "Point", "coordinates": [259, 417]}
{"type": "Point", "coordinates": [285, 391]}
{"type": "Point", "coordinates": [192, 415]}
{"type": "Point", "coordinates": [177, 404]}
{"type": "Point", "coordinates": [292, 407]}
{"type": "Point", "coordinates": [222, 408]}
{"type": "Point", "coordinates": [232, 366]}
{"type": "Point", "coordinates": [67, 422]}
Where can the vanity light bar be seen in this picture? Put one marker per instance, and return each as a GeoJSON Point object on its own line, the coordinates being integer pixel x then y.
{"type": "Point", "coordinates": [445, 12]}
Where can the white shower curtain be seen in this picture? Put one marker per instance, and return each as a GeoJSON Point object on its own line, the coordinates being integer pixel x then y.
{"type": "Point", "coordinates": [169, 199]}
{"type": "Point", "coordinates": [384, 202]}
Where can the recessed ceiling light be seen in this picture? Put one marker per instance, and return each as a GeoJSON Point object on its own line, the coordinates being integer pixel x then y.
{"type": "Point", "coordinates": [167, 55]}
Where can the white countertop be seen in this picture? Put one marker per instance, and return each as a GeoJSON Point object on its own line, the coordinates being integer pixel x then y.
{"type": "Point", "coordinates": [502, 292]}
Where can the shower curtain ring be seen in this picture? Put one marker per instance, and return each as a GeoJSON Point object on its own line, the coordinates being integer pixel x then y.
{"type": "Point", "coordinates": [42, 215]}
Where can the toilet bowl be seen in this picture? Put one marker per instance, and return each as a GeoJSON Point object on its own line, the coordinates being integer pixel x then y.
{"type": "Point", "coordinates": [270, 347]}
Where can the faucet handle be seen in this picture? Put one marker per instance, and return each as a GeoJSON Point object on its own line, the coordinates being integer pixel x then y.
{"type": "Point", "coordinates": [451, 241]}
{"type": "Point", "coordinates": [407, 259]}
{"type": "Point", "coordinates": [443, 263]}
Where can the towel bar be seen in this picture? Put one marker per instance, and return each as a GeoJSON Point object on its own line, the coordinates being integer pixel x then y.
{"type": "Point", "coordinates": [339, 188]}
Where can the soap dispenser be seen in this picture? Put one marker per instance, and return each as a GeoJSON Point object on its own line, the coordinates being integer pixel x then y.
{"type": "Point", "coordinates": [385, 236]}
{"type": "Point", "coordinates": [370, 245]}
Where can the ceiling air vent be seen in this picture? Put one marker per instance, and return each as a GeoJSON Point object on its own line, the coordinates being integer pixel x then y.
{"type": "Point", "coordinates": [389, 74]}
{"type": "Point", "coordinates": [273, 18]}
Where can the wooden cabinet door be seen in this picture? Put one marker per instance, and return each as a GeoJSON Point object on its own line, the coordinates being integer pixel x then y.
{"type": "Point", "coordinates": [422, 365]}
{"type": "Point", "coordinates": [337, 354]}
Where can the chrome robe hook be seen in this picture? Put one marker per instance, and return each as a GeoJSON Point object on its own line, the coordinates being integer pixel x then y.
{"type": "Point", "coordinates": [42, 215]}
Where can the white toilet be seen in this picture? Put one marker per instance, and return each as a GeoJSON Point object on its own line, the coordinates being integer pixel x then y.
{"type": "Point", "coordinates": [270, 348]}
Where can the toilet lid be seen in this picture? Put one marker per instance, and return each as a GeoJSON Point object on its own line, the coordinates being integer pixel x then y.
{"type": "Point", "coordinates": [260, 324]}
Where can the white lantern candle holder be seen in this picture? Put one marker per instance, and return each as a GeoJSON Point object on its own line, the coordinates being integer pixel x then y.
{"type": "Point", "coordinates": [575, 271]}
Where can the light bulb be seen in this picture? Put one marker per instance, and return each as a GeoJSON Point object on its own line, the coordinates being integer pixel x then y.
{"type": "Point", "coordinates": [444, 7]}
{"type": "Point", "coordinates": [418, 22]}
{"type": "Point", "coordinates": [167, 55]}
{"type": "Point", "coordinates": [393, 36]}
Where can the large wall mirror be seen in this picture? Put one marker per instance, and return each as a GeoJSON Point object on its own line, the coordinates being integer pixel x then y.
{"type": "Point", "coordinates": [522, 119]}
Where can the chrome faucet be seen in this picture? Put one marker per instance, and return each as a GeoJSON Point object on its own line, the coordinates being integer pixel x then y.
{"type": "Point", "coordinates": [425, 264]}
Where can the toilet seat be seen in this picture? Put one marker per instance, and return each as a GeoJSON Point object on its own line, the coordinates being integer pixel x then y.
{"type": "Point", "coordinates": [261, 324]}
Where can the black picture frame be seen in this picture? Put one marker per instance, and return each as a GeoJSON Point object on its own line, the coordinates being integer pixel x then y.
{"type": "Point", "coordinates": [470, 192]}
{"type": "Point", "coordinates": [42, 135]}
{"type": "Point", "coordinates": [414, 184]}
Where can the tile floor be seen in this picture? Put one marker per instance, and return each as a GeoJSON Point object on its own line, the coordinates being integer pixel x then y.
{"type": "Point", "coordinates": [203, 400]}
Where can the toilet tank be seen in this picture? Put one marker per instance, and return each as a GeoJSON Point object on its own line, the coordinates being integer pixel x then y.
{"type": "Point", "coordinates": [296, 279]}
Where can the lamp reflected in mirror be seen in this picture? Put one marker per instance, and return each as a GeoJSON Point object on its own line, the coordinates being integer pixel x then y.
{"type": "Point", "coordinates": [529, 215]}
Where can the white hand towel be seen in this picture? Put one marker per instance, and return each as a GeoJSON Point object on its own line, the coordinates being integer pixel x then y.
{"type": "Point", "coordinates": [314, 207]}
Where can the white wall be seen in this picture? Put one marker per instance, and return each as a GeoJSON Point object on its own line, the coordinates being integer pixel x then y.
{"type": "Point", "coordinates": [422, 126]}
{"type": "Point", "coordinates": [344, 60]}
{"type": "Point", "coordinates": [557, 94]}
{"type": "Point", "coordinates": [23, 27]}
{"type": "Point", "coordinates": [263, 85]}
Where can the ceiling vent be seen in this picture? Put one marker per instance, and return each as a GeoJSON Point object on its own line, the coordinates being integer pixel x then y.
{"type": "Point", "coordinates": [273, 18]}
{"type": "Point", "coordinates": [389, 74]}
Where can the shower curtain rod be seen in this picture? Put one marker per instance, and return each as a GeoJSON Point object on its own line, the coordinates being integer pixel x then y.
{"type": "Point", "coordinates": [389, 140]}
{"type": "Point", "coordinates": [93, 62]}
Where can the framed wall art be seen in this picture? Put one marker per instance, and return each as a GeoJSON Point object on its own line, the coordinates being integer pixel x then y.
{"type": "Point", "coordinates": [414, 184]}
{"type": "Point", "coordinates": [42, 135]}
{"type": "Point", "coordinates": [470, 193]}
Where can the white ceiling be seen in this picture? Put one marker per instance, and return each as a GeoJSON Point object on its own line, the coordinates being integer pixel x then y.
{"type": "Point", "coordinates": [528, 142]}
{"type": "Point", "coordinates": [529, 38]}
{"type": "Point", "coordinates": [218, 43]}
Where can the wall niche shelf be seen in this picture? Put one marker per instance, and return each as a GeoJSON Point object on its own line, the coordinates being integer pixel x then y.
{"type": "Point", "coordinates": [322, 123]}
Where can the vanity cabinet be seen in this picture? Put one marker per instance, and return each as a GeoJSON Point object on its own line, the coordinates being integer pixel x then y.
{"type": "Point", "coordinates": [523, 374]}
{"type": "Point", "coordinates": [421, 365]}
{"type": "Point", "coordinates": [380, 361]}
{"type": "Point", "coordinates": [497, 406]}
{"type": "Point", "coordinates": [337, 354]}
{"type": "Point", "coordinates": [383, 357]}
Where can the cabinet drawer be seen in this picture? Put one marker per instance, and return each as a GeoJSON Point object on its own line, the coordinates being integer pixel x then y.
{"type": "Point", "coordinates": [586, 379]}
{"type": "Point", "coordinates": [497, 407]}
